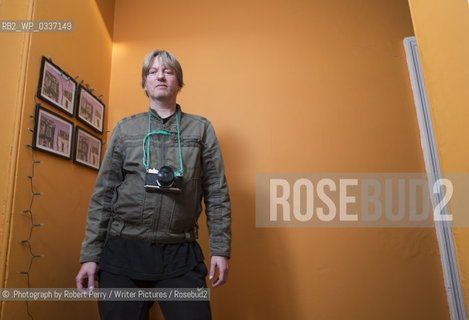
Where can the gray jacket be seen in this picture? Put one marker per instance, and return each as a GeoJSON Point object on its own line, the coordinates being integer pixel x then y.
{"type": "Point", "coordinates": [120, 205]}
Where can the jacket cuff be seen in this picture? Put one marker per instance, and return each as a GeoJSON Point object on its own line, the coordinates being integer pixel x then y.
{"type": "Point", "coordinates": [225, 254]}
{"type": "Point", "coordinates": [84, 259]}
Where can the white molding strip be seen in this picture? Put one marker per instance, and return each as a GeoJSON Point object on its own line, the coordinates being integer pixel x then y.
{"type": "Point", "coordinates": [427, 139]}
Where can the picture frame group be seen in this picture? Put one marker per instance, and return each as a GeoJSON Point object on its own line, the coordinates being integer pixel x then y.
{"type": "Point", "coordinates": [59, 136]}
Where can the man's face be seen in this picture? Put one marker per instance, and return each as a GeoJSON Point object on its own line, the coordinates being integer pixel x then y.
{"type": "Point", "coordinates": [161, 83]}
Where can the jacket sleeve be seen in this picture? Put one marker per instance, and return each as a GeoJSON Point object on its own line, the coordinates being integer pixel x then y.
{"type": "Point", "coordinates": [216, 197]}
{"type": "Point", "coordinates": [99, 211]}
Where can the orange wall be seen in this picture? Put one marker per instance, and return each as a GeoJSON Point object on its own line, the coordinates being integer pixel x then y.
{"type": "Point", "coordinates": [65, 186]}
{"type": "Point", "coordinates": [296, 86]}
{"type": "Point", "coordinates": [442, 33]}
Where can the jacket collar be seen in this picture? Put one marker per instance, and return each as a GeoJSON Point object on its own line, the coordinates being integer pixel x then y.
{"type": "Point", "coordinates": [171, 125]}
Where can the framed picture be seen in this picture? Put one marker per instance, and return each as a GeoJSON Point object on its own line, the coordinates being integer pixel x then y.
{"type": "Point", "coordinates": [57, 87]}
{"type": "Point", "coordinates": [52, 133]}
{"type": "Point", "coordinates": [87, 150]}
{"type": "Point", "coordinates": [90, 110]}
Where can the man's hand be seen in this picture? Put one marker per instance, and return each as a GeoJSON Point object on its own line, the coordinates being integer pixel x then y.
{"type": "Point", "coordinates": [221, 263]}
{"type": "Point", "coordinates": [85, 277]}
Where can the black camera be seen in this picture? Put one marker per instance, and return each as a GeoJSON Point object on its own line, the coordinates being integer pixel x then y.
{"type": "Point", "coordinates": [163, 179]}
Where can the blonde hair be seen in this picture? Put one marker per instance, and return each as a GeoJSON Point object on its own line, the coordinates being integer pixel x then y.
{"type": "Point", "coordinates": [167, 58]}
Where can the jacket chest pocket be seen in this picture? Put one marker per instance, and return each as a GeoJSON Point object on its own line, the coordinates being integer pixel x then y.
{"type": "Point", "coordinates": [191, 150]}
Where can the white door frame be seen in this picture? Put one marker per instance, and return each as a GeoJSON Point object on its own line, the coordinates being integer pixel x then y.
{"type": "Point", "coordinates": [432, 165]}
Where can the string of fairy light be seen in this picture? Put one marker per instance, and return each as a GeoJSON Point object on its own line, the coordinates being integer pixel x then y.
{"type": "Point", "coordinates": [29, 211]}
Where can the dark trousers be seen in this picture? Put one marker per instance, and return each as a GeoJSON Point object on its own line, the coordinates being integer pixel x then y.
{"type": "Point", "coordinates": [139, 310]}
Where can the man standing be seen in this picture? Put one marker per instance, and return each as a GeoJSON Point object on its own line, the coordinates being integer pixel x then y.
{"type": "Point", "coordinates": [142, 218]}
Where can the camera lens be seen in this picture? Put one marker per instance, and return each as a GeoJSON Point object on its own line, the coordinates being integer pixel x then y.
{"type": "Point", "coordinates": [165, 176]}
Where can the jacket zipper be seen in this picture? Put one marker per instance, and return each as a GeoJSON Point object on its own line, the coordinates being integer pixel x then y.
{"type": "Point", "coordinates": [160, 195]}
